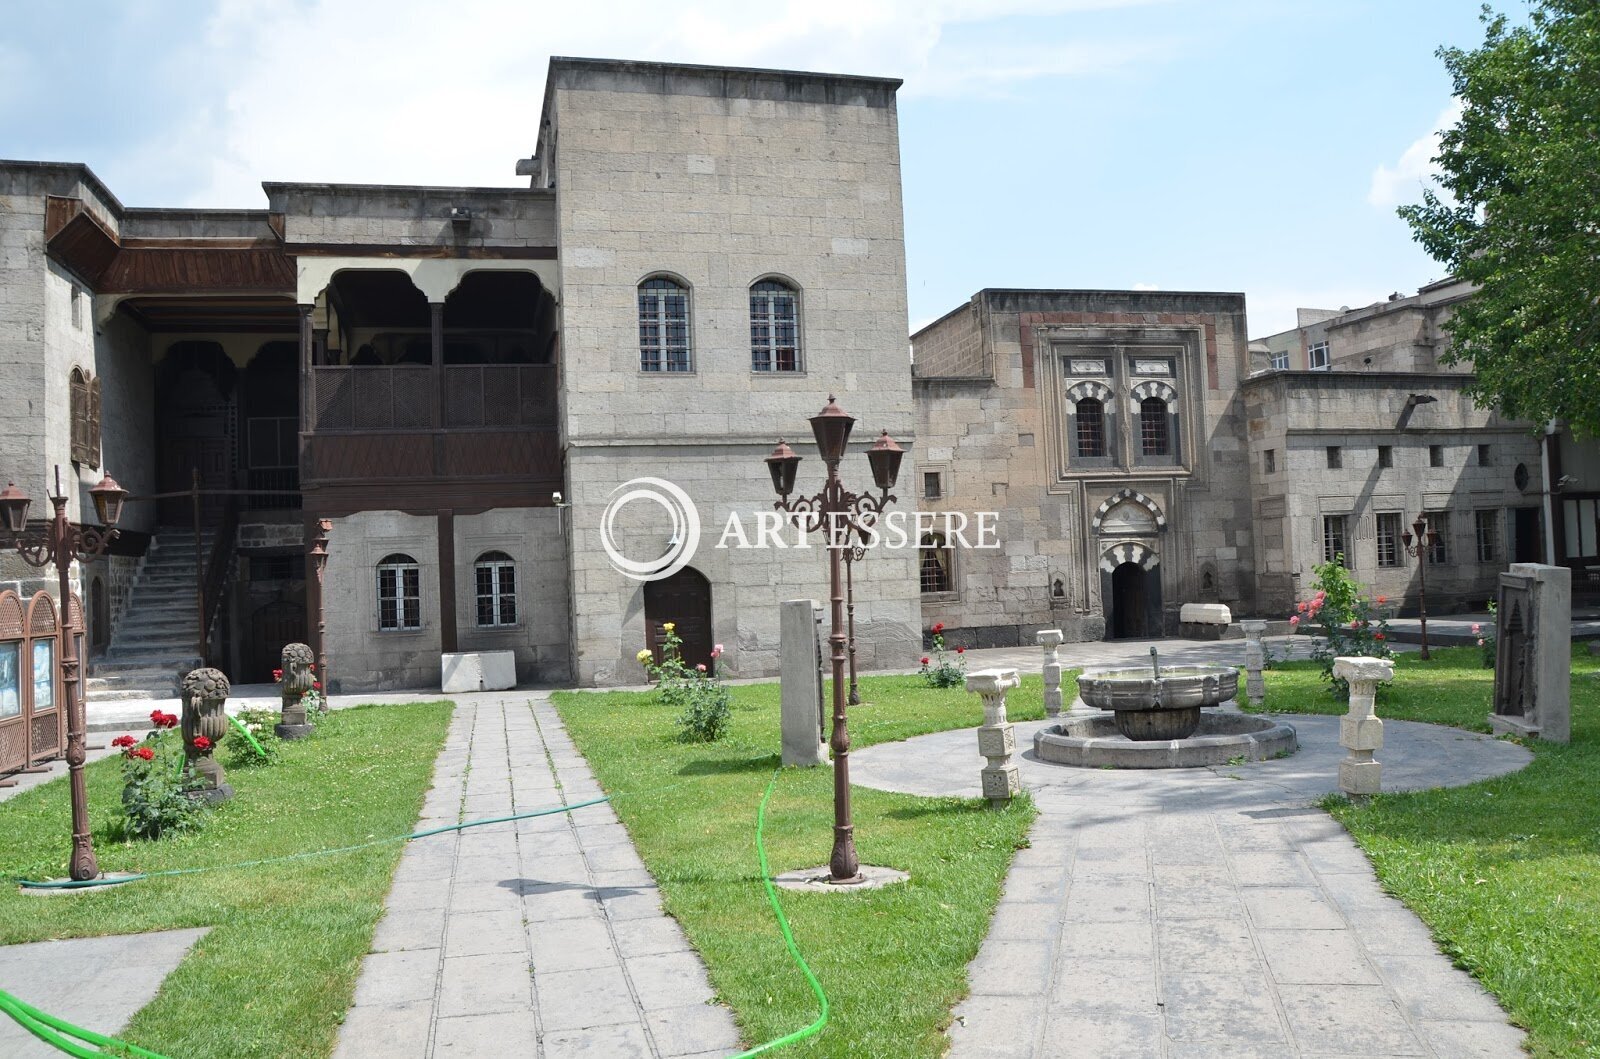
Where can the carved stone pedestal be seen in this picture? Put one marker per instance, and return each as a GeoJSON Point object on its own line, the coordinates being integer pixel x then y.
{"type": "Point", "coordinates": [1255, 659]}
{"type": "Point", "coordinates": [205, 696]}
{"type": "Point", "coordinates": [1361, 731]}
{"type": "Point", "coordinates": [1050, 639]}
{"type": "Point", "coordinates": [298, 678]}
{"type": "Point", "coordinates": [997, 739]}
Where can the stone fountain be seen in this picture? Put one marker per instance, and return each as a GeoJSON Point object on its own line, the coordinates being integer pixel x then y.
{"type": "Point", "coordinates": [1161, 717]}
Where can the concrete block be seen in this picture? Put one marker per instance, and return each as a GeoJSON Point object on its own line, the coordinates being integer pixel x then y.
{"type": "Point", "coordinates": [997, 741]}
{"type": "Point", "coordinates": [1360, 777]}
{"type": "Point", "coordinates": [1361, 733]}
{"type": "Point", "coordinates": [465, 671]}
{"type": "Point", "coordinates": [1000, 782]}
{"type": "Point", "coordinates": [800, 684]}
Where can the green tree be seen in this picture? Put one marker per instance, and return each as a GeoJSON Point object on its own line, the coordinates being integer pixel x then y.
{"type": "Point", "coordinates": [1521, 213]}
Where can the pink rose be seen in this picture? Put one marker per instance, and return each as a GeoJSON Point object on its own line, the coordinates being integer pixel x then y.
{"type": "Point", "coordinates": [1294, 619]}
{"type": "Point", "coordinates": [701, 667]}
{"type": "Point", "coordinates": [1480, 641]}
{"type": "Point", "coordinates": [1477, 627]}
{"type": "Point", "coordinates": [716, 651]}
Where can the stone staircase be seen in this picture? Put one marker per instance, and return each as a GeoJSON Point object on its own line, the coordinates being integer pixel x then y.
{"type": "Point", "coordinates": [153, 641]}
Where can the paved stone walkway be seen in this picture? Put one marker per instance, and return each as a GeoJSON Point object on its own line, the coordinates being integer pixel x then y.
{"type": "Point", "coordinates": [1208, 912]}
{"type": "Point", "coordinates": [97, 983]}
{"type": "Point", "coordinates": [543, 937]}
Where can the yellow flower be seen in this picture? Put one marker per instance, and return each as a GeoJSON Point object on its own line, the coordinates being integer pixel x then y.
{"type": "Point", "coordinates": [644, 655]}
{"type": "Point", "coordinates": [668, 626]}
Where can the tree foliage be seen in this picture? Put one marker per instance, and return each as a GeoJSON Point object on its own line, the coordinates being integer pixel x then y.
{"type": "Point", "coordinates": [1521, 217]}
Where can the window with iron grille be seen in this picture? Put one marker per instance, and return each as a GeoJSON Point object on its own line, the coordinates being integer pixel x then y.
{"type": "Point", "coordinates": [663, 325]}
{"type": "Point", "coordinates": [1439, 552]}
{"type": "Point", "coordinates": [1385, 456]}
{"type": "Point", "coordinates": [1333, 540]}
{"type": "Point", "coordinates": [1153, 435]}
{"type": "Point", "coordinates": [1389, 538]}
{"type": "Point", "coordinates": [399, 593]}
{"type": "Point", "coordinates": [1091, 416]}
{"type": "Point", "coordinates": [495, 576]}
{"type": "Point", "coordinates": [932, 486]}
{"type": "Point", "coordinates": [1317, 356]}
{"type": "Point", "coordinates": [1487, 524]}
{"type": "Point", "coordinates": [774, 327]}
{"type": "Point", "coordinates": [935, 563]}
{"type": "Point", "coordinates": [1335, 458]}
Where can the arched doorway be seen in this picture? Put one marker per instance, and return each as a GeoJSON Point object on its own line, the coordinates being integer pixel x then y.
{"type": "Point", "coordinates": [1130, 591]}
{"type": "Point", "coordinates": [685, 600]}
{"type": "Point", "coordinates": [1127, 612]}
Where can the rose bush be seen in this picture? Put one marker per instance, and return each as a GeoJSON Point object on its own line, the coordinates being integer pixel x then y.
{"type": "Point", "coordinates": [939, 670]}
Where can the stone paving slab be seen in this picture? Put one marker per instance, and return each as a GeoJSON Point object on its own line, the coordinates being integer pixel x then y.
{"type": "Point", "coordinates": [95, 983]}
{"type": "Point", "coordinates": [540, 937]}
{"type": "Point", "coordinates": [1208, 912]}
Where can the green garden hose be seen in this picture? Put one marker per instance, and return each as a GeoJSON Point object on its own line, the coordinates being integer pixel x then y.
{"type": "Point", "coordinates": [261, 750]}
{"type": "Point", "coordinates": [64, 1036]}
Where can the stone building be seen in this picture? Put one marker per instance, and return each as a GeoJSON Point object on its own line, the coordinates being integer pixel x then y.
{"type": "Point", "coordinates": [461, 378]}
{"type": "Point", "coordinates": [1106, 429]}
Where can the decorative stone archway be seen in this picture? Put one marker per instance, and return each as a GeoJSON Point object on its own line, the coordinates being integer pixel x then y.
{"type": "Point", "coordinates": [1130, 590]}
{"type": "Point", "coordinates": [1126, 496]}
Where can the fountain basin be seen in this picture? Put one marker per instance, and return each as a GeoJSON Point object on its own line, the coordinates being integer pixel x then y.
{"type": "Point", "coordinates": [1094, 741]}
{"type": "Point", "coordinates": [1155, 705]}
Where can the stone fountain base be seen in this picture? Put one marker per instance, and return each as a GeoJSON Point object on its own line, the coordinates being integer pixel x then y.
{"type": "Point", "coordinates": [1093, 741]}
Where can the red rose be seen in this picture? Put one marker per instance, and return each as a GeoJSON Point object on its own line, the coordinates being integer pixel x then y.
{"type": "Point", "coordinates": [124, 740]}
{"type": "Point", "coordinates": [312, 666]}
{"type": "Point", "coordinates": [143, 753]}
{"type": "Point", "coordinates": [924, 659]}
{"type": "Point", "coordinates": [961, 650]}
{"type": "Point", "coordinates": [277, 674]}
{"type": "Point", "coordinates": [1379, 636]}
{"type": "Point", "coordinates": [938, 627]}
{"type": "Point", "coordinates": [201, 743]}
{"type": "Point", "coordinates": [1383, 599]}
{"type": "Point", "coordinates": [316, 685]}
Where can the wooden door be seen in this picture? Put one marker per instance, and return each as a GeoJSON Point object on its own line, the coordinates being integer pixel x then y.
{"type": "Point", "coordinates": [685, 600]}
{"type": "Point", "coordinates": [280, 622]}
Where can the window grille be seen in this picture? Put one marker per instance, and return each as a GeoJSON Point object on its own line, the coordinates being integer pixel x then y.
{"type": "Point", "coordinates": [399, 593]}
{"type": "Point", "coordinates": [774, 327]}
{"type": "Point", "coordinates": [1389, 538]}
{"type": "Point", "coordinates": [1153, 435]}
{"type": "Point", "coordinates": [1333, 550]}
{"type": "Point", "coordinates": [1488, 533]}
{"type": "Point", "coordinates": [663, 325]}
{"type": "Point", "coordinates": [495, 577]}
{"type": "Point", "coordinates": [935, 564]}
{"type": "Point", "coordinates": [1091, 427]}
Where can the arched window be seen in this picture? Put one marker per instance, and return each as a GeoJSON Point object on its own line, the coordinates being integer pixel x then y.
{"type": "Point", "coordinates": [399, 593]}
{"type": "Point", "coordinates": [663, 325]}
{"type": "Point", "coordinates": [1091, 427]}
{"type": "Point", "coordinates": [935, 560]}
{"type": "Point", "coordinates": [84, 393]}
{"type": "Point", "coordinates": [774, 327]}
{"type": "Point", "coordinates": [495, 574]}
{"type": "Point", "coordinates": [1154, 438]}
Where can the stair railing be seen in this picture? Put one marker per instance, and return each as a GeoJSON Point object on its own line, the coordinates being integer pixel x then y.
{"type": "Point", "coordinates": [215, 576]}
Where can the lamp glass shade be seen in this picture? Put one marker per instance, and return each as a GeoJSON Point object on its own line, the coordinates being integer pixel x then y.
{"type": "Point", "coordinates": [885, 457]}
{"type": "Point", "coordinates": [108, 498]}
{"type": "Point", "coordinates": [831, 426]}
{"type": "Point", "coordinates": [14, 507]}
{"type": "Point", "coordinates": [782, 465]}
{"type": "Point", "coordinates": [1406, 538]}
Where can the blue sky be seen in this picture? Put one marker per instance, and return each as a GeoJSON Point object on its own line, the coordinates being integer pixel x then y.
{"type": "Point", "coordinates": [1234, 145]}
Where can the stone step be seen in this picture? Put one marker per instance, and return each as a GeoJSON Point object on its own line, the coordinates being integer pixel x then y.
{"type": "Point", "coordinates": [135, 676]}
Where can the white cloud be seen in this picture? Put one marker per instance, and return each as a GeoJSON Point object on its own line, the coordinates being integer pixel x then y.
{"type": "Point", "coordinates": [1403, 182]}
{"type": "Point", "coordinates": [409, 91]}
{"type": "Point", "coordinates": [1145, 286]}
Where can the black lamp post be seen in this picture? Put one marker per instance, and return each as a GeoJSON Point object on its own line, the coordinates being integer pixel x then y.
{"type": "Point", "coordinates": [1425, 539]}
{"type": "Point", "coordinates": [837, 511]}
{"type": "Point", "coordinates": [60, 544]}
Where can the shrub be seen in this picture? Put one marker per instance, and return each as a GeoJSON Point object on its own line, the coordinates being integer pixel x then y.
{"type": "Point", "coordinates": [1485, 635]}
{"type": "Point", "coordinates": [1349, 623]}
{"type": "Point", "coordinates": [156, 784]}
{"type": "Point", "coordinates": [938, 669]}
{"type": "Point", "coordinates": [261, 724]}
{"type": "Point", "coordinates": [696, 692]}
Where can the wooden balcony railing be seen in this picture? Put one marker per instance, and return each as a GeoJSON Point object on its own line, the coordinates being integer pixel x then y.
{"type": "Point", "coordinates": [401, 397]}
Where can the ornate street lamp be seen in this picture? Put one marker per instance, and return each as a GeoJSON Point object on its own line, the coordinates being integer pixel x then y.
{"type": "Point", "coordinates": [839, 513]}
{"type": "Point", "coordinates": [1425, 539]}
{"type": "Point", "coordinates": [60, 543]}
{"type": "Point", "coordinates": [318, 554]}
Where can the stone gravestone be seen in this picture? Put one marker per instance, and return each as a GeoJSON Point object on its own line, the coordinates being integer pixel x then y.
{"type": "Point", "coordinates": [997, 739]}
{"type": "Point", "coordinates": [205, 694]}
{"type": "Point", "coordinates": [295, 661]}
{"type": "Point", "coordinates": [1533, 653]}
{"type": "Point", "coordinates": [800, 683]}
{"type": "Point", "coordinates": [1255, 660]}
{"type": "Point", "coordinates": [1360, 731]}
{"type": "Point", "coordinates": [1050, 639]}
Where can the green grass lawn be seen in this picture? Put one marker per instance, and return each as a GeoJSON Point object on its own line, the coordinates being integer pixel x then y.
{"type": "Point", "coordinates": [277, 971]}
{"type": "Point", "coordinates": [1505, 872]}
{"type": "Point", "coordinates": [892, 961]}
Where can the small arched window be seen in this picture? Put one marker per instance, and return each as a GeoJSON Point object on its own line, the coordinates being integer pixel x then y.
{"type": "Point", "coordinates": [1154, 437]}
{"type": "Point", "coordinates": [663, 325]}
{"type": "Point", "coordinates": [1091, 416]}
{"type": "Point", "coordinates": [774, 327]}
{"type": "Point", "coordinates": [934, 566]}
{"type": "Point", "coordinates": [495, 575]}
{"type": "Point", "coordinates": [399, 593]}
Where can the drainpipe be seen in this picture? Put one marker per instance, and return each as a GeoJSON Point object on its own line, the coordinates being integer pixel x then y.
{"type": "Point", "coordinates": [1545, 488]}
